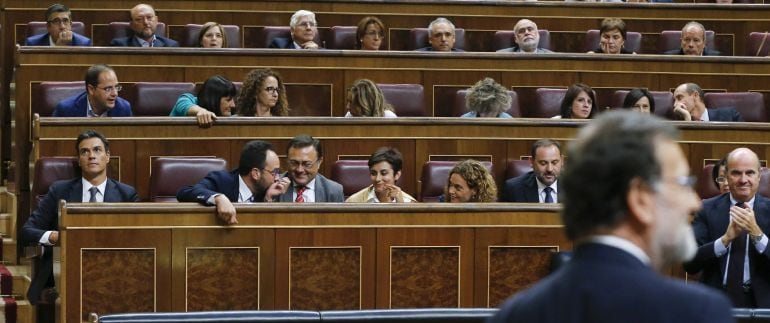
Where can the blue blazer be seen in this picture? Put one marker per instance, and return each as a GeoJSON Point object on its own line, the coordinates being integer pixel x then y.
{"type": "Point", "coordinates": [77, 106]}
{"type": "Point", "coordinates": [46, 218]}
{"type": "Point", "coordinates": [131, 41]}
{"type": "Point", "coordinates": [522, 189]}
{"type": "Point", "coordinates": [220, 181]}
{"type": "Point", "coordinates": [724, 114]}
{"type": "Point", "coordinates": [710, 224]}
{"type": "Point", "coordinates": [280, 42]}
{"type": "Point", "coordinates": [606, 284]}
{"type": "Point", "coordinates": [42, 40]}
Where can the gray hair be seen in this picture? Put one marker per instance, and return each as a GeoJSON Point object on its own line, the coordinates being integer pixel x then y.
{"type": "Point", "coordinates": [299, 14]}
{"type": "Point", "coordinates": [441, 20]}
{"type": "Point", "coordinates": [697, 25]}
{"type": "Point", "coordinates": [488, 96]}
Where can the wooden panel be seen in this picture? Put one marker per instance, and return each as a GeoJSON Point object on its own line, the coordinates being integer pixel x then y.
{"type": "Point", "coordinates": [222, 279]}
{"type": "Point", "coordinates": [325, 278]}
{"type": "Point", "coordinates": [118, 281]}
{"type": "Point", "coordinates": [424, 277]}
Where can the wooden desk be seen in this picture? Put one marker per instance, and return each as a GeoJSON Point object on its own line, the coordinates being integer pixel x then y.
{"type": "Point", "coordinates": [178, 257]}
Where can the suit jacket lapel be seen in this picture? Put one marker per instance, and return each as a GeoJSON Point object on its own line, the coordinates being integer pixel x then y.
{"type": "Point", "coordinates": [319, 189]}
{"type": "Point", "coordinates": [532, 194]}
{"type": "Point", "coordinates": [76, 191]}
{"type": "Point", "coordinates": [722, 219]}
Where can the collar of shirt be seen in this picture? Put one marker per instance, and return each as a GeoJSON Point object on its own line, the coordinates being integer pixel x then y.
{"type": "Point", "coordinates": [87, 186]}
{"type": "Point", "coordinates": [90, 111]}
{"type": "Point", "coordinates": [705, 116]}
{"type": "Point", "coordinates": [309, 193]}
{"type": "Point", "coordinates": [296, 46]}
{"type": "Point", "coordinates": [50, 41]}
{"type": "Point", "coordinates": [244, 193]}
{"type": "Point", "coordinates": [541, 194]}
{"type": "Point", "coordinates": [621, 244]}
{"type": "Point", "coordinates": [145, 43]}
{"type": "Point", "coordinates": [371, 196]}
{"type": "Point", "coordinates": [750, 202]}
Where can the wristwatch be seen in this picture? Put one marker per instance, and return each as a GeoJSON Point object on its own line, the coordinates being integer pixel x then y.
{"type": "Point", "coordinates": [756, 238]}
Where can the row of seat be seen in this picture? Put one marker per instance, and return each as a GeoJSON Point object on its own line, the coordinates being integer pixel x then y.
{"type": "Point", "coordinates": [343, 37]}
{"type": "Point", "coordinates": [157, 99]}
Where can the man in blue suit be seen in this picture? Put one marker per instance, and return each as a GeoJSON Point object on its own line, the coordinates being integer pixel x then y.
{"type": "Point", "coordinates": [93, 186]}
{"type": "Point", "coordinates": [144, 23]}
{"type": "Point", "coordinates": [730, 230]}
{"type": "Point", "coordinates": [100, 99]}
{"type": "Point", "coordinates": [257, 179]}
{"type": "Point", "coordinates": [541, 185]}
{"type": "Point", "coordinates": [58, 20]}
{"type": "Point", "coordinates": [689, 105]}
{"type": "Point", "coordinates": [304, 29]}
{"type": "Point", "coordinates": [627, 199]}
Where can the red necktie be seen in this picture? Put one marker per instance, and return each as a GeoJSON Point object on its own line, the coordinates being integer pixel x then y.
{"type": "Point", "coordinates": [300, 198]}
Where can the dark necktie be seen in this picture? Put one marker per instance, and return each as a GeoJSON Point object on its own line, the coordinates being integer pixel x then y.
{"type": "Point", "coordinates": [548, 196]}
{"type": "Point", "coordinates": [300, 198]}
{"type": "Point", "coordinates": [735, 266]}
{"type": "Point", "coordinates": [93, 190]}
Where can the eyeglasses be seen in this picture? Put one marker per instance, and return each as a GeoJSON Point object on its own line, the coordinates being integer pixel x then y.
{"type": "Point", "coordinates": [375, 33]}
{"type": "Point", "coordinates": [272, 90]}
{"type": "Point", "coordinates": [305, 164]}
{"type": "Point", "coordinates": [110, 89]}
{"type": "Point", "coordinates": [60, 21]}
{"type": "Point", "coordinates": [307, 24]}
{"type": "Point", "coordinates": [721, 180]}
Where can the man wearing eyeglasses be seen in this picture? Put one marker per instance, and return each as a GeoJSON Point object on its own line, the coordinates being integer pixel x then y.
{"type": "Point", "coordinates": [257, 179]}
{"type": "Point", "coordinates": [731, 232]}
{"type": "Point", "coordinates": [304, 29]}
{"type": "Point", "coordinates": [304, 156]}
{"type": "Point", "coordinates": [144, 23]}
{"type": "Point", "coordinates": [59, 24]}
{"type": "Point", "coordinates": [100, 99]}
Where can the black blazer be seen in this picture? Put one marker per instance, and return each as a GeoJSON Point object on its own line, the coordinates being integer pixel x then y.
{"type": "Point", "coordinates": [280, 42]}
{"type": "Point", "coordinates": [523, 189]}
{"type": "Point", "coordinates": [706, 52]}
{"type": "Point", "coordinates": [724, 114]}
{"type": "Point", "coordinates": [46, 218]}
{"type": "Point", "coordinates": [131, 41]}
{"type": "Point", "coordinates": [606, 284]}
{"type": "Point", "coordinates": [219, 181]}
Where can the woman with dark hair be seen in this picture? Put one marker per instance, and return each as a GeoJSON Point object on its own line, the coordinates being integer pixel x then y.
{"type": "Point", "coordinates": [365, 99]}
{"type": "Point", "coordinates": [215, 98]}
{"type": "Point", "coordinates": [612, 36]}
{"type": "Point", "coordinates": [578, 103]}
{"type": "Point", "coordinates": [370, 33]}
{"type": "Point", "coordinates": [487, 99]}
{"type": "Point", "coordinates": [719, 175]}
{"type": "Point", "coordinates": [384, 171]}
{"type": "Point", "coordinates": [212, 35]}
{"type": "Point", "coordinates": [263, 95]}
{"type": "Point", "coordinates": [640, 100]}
{"type": "Point", "coordinates": [470, 181]}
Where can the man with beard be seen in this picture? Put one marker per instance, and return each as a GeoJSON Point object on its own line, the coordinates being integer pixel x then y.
{"type": "Point", "coordinates": [304, 156]}
{"type": "Point", "coordinates": [526, 37]}
{"type": "Point", "coordinates": [143, 24]}
{"type": "Point", "coordinates": [627, 201]}
{"type": "Point", "coordinates": [304, 29]}
{"type": "Point", "coordinates": [541, 184]}
{"type": "Point", "coordinates": [730, 230]}
{"type": "Point", "coordinates": [257, 179]}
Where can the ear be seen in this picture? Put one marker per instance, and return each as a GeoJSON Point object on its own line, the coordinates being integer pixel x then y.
{"type": "Point", "coordinates": [107, 153]}
{"type": "Point", "coordinates": [641, 203]}
{"type": "Point", "coordinates": [255, 174]}
{"type": "Point", "coordinates": [90, 89]}
{"type": "Point", "coordinates": [320, 160]}
{"type": "Point", "coordinates": [396, 176]}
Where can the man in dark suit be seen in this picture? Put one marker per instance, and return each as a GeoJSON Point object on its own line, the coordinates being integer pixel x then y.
{"type": "Point", "coordinates": [693, 41]}
{"type": "Point", "coordinates": [689, 105]}
{"type": "Point", "coordinates": [93, 186]}
{"type": "Point", "coordinates": [627, 199]}
{"type": "Point", "coordinates": [526, 38]}
{"type": "Point", "coordinates": [58, 20]}
{"type": "Point", "coordinates": [541, 184]}
{"type": "Point", "coordinates": [100, 99]}
{"type": "Point", "coordinates": [304, 29]}
{"type": "Point", "coordinates": [257, 179]}
{"type": "Point", "coordinates": [441, 36]}
{"type": "Point", "coordinates": [143, 24]}
{"type": "Point", "coordinates": [304, 156]}
{"type": "Point", "coordinates": [730, 231]}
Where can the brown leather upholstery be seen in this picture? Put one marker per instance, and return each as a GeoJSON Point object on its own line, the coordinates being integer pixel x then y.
{"type": "Point", "coordinates": [435, 175]}
{"type": "Point", "coordinates": [264, 36]}
{"type": "Point", "coordinates": [504, 39]}
{"type": "Point", "coordinates": [672, 39]}
{"type": "Point", "coordinates": [49, 94]}
{"type": "Point", "coordinates": [459, 107]}
{"type": "Point", "coordinates": [118, 29]}
{"type": "Point", "coordinates": [41, 27]}
{"type": "Point", "coordinates": [418, 38]}
{"type": "Point", "coordinates": [664, 102]}
{"type": "Point", "coordinates": [157, 98]}
{"type": "Point", "coordinates": [190, 36]}
{"type": "Point", "coordinates": [633, 41]}
{"type": "Point", "coordinates": [169, 174]}
{"type": "Point", "coordinates": [755, 41]}
{"type": "Point", "coordinates": [547, 103]}
{"type": "Point", "coordinates": [705, 185]}
{"type": "Point", "coordinates": [517, 167]}
{"type": "Point", "coordinates": [49, 170]}
{"type": "Point", "coordinates": [344, 37]}
{"type": "Point", "coordinates": [751, 105]}
{"type": "Point", "coordinates": [353, 175]}
{"type": "Point", "coordinates": [407, 99]}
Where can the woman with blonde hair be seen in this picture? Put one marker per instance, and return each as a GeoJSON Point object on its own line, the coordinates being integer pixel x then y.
{"type": "Point", "coordinates": [365, 99]}
{"type": "Point", "coordinates": [470, 181]}
{"type": "Point", "coordinates": [263, 95]}
{"type": "Point", "coordinates": [487, 99]}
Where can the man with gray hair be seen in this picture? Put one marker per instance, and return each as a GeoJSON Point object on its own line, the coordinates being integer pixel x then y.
{"type": "Point", "coordinates": [627, 198]}
{"type": "Point", "coordinates": [693, 41]}
{"type": "Point", "coordinates": [689, 105]}
{"type": "Point", "coordinates": [441, 36]}
{"type": "Point", "coordinates": [304, 29]}
{"type": "Point", "coordinates": [527, 37]}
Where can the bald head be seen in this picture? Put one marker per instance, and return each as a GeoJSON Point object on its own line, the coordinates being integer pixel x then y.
{"type": "Point", "coordinates": [743, 174]}
{"type": "Point", "coordinates": [144, 21]}
{"type": "Point", "coordinates": [693, 38]}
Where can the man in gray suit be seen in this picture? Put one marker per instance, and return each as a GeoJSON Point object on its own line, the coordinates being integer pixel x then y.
{"type": "Point", "coordinates": [305, 156]}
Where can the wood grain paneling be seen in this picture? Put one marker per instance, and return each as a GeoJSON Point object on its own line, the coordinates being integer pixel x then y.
{"type": "Point", "coordinates": [222, 279]}
{"type": "Point", "coordinates": [118, 281]}
{"type": "Point", "coordinates": [325, 279]}
{"type": "Point", "coordinates": [424, 277]}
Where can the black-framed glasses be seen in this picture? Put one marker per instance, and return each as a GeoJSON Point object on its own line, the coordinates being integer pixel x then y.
{"type": "Point", "coordinates": [304, 164]}
{"type": "Point", "coordinates": [110, 89]}
{"type": "Point", "coordinates": [272, 90]}
{"type": "Point", "coordinates": [60, 21]}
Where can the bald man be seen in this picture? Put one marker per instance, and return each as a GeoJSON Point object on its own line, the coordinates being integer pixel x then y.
{"type": "Point", "coordinates": [526, 37]}
{"type": "Point", "coordinates": [144, 23]}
